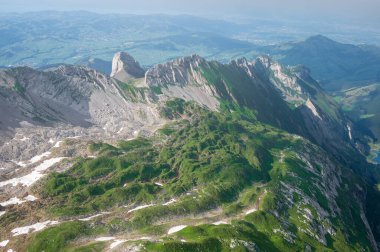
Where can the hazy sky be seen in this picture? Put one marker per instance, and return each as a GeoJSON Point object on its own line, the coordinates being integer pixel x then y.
{"type": "Point", "coordinates": [355, 9]}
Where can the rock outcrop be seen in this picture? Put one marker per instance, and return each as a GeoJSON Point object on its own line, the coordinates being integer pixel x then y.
{"type": "Point", "coordinates": [125, 67]}
{"type": "Point", "coordinates": [183, 78]}
{"type": "Point", "coordinates": [182, 72]}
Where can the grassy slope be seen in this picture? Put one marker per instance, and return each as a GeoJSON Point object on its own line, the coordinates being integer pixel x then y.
{"type": "Point", "coordinates": [238, 91]}
{"type": "Point", "coordinates": [232, 161]}
{"type": "Point", "coordinates": [267, 104]}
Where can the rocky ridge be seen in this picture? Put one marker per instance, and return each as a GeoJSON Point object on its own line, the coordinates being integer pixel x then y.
{"type": "Point", "coordinates": [62, 110]}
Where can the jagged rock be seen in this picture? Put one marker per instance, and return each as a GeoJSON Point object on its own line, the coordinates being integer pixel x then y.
{"type": "Point", "coordinates": [182, 71]}
{"type": "Point", "coordinates": [85, 97]}
{"type": "Point", "coordinates": [183, 78]}
{"type": "Point", "coordinates": [125, 67]}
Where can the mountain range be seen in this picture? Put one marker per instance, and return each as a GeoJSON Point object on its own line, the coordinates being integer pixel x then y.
{"type": "Point", "coordinates": [335, 65]}
{"type": "Point", "coordinates": [41, 39]}
{"type": "Point", "coordinates": [188, 155]}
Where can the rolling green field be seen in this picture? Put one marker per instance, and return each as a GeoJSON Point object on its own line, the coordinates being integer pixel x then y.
{"type": "Point", "coordinates": [217, 167]}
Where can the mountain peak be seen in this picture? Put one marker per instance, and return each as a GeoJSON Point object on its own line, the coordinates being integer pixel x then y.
{"type": "Point", "coordinates": [264, 60]}
{"type": "Point", "coordinates": [181, 71]}
{"type": "Point", "coordinates": [194, 59]}
{"type": "Point", "coordinates": [125, 67]}
{"type": "Point", "coordinates": [319, 39]}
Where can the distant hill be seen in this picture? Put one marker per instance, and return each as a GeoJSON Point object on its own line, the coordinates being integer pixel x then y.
{"type": "Point", "coordinates": [337, 66]}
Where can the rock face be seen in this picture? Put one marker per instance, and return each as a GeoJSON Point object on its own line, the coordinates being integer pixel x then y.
{"type": "Point", "coordinates": [183, 78]}
{"type": "Point", "coordinates": [183, 71]}
{"type": "Point", "coordinates": [291, 91]}
{"type": "Point", "coordinates": [41, 108]}
{"type": "Point", "coordinates": [287, 84]}
{"type": "Point", "coordinates": [70, 96]}
{"type": "Point", "coordinates": [125, 67]}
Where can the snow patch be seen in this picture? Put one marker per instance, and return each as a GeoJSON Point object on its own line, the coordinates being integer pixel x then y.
{"type": "Point", "coordinates": [51, 140]}
{"type": "Point", "coordinates": [38, 158]}
{"type": "Point", "coordinates": [176, 229]}
{"type": "Point", "coordinates": [93, 216]}
{"type": "Point", "coordinates": [251, 211]}
{"type": "Point", "coordinates": [30, 198]}
{"type": "Point", "coordinates": [24, 139]}
{"type": "Point", "coordinates": [57, 144]}
{"type": "Point", "coordinates": [349, 132]}
{"type": "Point", "coordinates": [140, 207]}
{"type": "Point", "coordinates": [12, 201]}
{"type": "Point", "coordinates": [33, 160]}
{"type": "Point", "coordinates": [4, 243]}
{"type": "Point", "coordinates": [21, 163]}
{"type": "Point", "coordinates": [313, 109]}
{"type": "Point", "coordinates": [2, 213]}
{"type": "Point", "coordinates": [33, 228]}
{"type": "Point", "coordinates": [145, 238]}
{"type": "Point", "coordinates": [109, 238]}
{"type": "Point", "coordinates": [15, 200]}
{"type": "Point", "coordinates": [34, 176]}
{"type": "Point", "coordinates": [120, 130]}
{"type": "Point", "coordinates": [116, 243]}
{"type": "Point", "coordinates": [219, 223]}
{"type": "Point", "coordinates": [159, 184]}
{"type": "Point", "coordinates": [169, 202]}
{"type": "Point", "coordinates": [233, 243]}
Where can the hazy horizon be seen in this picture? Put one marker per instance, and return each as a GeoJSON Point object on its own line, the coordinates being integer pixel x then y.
{"type": "Point", "coordinates": [346, 11]}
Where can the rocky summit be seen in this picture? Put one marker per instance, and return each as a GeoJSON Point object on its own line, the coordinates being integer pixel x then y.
{"type": "Point", "coordinates": [189, 155]}
{"type": "Point", "coordinates": [125, 67]}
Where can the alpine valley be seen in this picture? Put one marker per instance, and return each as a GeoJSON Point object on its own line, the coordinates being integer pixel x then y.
{"type": "Point", "coordinates": [188, 155]}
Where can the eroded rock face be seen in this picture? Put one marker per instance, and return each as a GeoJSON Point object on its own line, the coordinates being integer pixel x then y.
{"type": "Point", "coordinates": [125, 67]}
{"type": "Point", "coordinates": [282, 78]}
{"type": "Point", "coordinates": [183, 78]}
{"type": "Point", "coordinates": [182, 71]}
{"type": "Point", "coordinates": [70, 95]}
